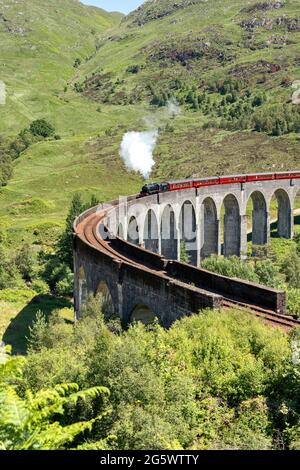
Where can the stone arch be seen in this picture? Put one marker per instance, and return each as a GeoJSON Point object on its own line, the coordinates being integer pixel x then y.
{"type": "Point", "coordinates": [284, 213]}
{"type": "Point", "coordinates": [169, 248]}
{"type": "Point", "coordinates": [107, 304]}
{"type": "Point", "coordinates": [83, 290]}
{"type": "Point", "coordinates": [231, 226]}
{"type": "Point", "coordinates": [209, 228]}
{"type": "Point", "coordinates": [259, 218]}
{"type": "Point", "coordinates": [133, 231]}
{"type": "Point", "coordinates": [150, 236]}
{"type": "Point", "coordinates": [142, 313]}
{"type": "Point", "coordinates": [187, 231]}
{"type": "Point", "coordinates": [120, 232]}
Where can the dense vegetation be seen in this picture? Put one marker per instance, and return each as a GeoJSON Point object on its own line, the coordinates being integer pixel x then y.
{"type": "Point", "coordinates": [213, 381]}
{"type": "Point", "coordinates": [276, 266]}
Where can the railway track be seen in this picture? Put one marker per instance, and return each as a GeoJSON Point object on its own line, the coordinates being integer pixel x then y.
{"type": "Point", "coordinates": [88, 230]}
{"type": "Point", "coordinates": [270, 317]}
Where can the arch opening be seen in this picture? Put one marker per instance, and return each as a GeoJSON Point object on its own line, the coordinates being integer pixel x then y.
{"type": "Point", "coordinates": [257, 219]}
{"type": "Point", "coordinates": [168, 234]}
{"type": "Point", "coordinates": [281, 215]}
{"type": "Point", "coordinates": [188, 236]}
{"type": "Point", "coordinates": [231, 224]}
{"type": "Point", "coordinates": [209, 228]}
{"type": "Point", "coordinates": [133, 231]}
{"type": "Point", "coordinates": [120, 232]}
{"type": "Point", "coordinates": [142, 313]}
{"type": "Point", "coordinates": [151, 240]}
{"type": "Point", "coordinates": [105, 299]}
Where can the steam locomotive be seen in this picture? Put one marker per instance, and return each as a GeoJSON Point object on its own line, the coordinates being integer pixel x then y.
{"type": "Point", "coordinates": [155, 188]}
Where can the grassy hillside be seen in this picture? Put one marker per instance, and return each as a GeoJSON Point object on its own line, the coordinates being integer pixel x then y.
{"type": "Point", "coordinates": [95, 75]}
{"type": "Point", "coordinates": [40, 41]}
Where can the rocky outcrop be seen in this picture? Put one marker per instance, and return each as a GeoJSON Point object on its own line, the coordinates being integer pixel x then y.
{"type": "Point", "coordinates": [262, 66]}
{"type": "Point", "coordinates": [156, 9]}
{"type": "Point", "coordinates": [291, 24]}
{"type": "Point", "coordinates": [264, 6]}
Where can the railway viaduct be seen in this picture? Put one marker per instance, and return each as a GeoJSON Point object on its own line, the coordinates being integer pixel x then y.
{"type": "Point", "coordinates": [130, 249]}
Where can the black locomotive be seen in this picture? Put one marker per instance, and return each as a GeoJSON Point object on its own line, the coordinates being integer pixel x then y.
{"type": "Point", "coordinates": [154, 188]}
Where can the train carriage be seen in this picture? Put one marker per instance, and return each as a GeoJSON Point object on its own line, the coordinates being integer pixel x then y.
{"type": "Point", "coordinates": [285, 176]}
{"type": "Point", "coordinates": [233, 179]}
{"type": "Point", "coordinates": [180, 185]}
{"type": "Point", "coordinates": [206, 182]}
{"type": "Point", "coordinates": [260, 177]}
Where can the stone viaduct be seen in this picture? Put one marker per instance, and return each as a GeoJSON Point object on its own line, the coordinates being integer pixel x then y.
{"type": "Point", "coordinates": [130, 250]}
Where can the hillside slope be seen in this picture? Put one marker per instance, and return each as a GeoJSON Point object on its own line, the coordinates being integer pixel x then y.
{"type": "Point", "coordinates": [40, 42]}
{"type": "Point", "coordinates": [231, 65]}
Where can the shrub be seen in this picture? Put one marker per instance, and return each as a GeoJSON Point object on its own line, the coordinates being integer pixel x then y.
{"type": "Point", "coordinates": [64, 286]}
{"type": "Point", "coordinates": [40, 287]}
{"type": "Point", "coordinates": [293, 298]}
{"type": "Point", "coordinates": [291, 268]}
{"type": "Point", "coordinates": [133, 69]}
{"type": "Point", "coordinates": [41, 128]}
{"type": "Point", "coordinates": [232, 267]}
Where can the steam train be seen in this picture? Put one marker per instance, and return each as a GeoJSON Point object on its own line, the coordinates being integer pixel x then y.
{"type": "Point", "coordinates": [155, 188]}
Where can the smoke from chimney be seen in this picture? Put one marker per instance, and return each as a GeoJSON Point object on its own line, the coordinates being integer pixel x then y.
{"type": "Point", "coordinates": [137, 147]}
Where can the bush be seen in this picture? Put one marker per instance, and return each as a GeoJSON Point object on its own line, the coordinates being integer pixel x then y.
{"type": "Point", "coordinates": [204, 383]}
{"type": "Point", "coordinates": [291, 268]}
{"type": "Point", "coordinates": [268, 273]}
{"type": "Point", "coordinates": [40, 287]}
{"type": "Point", "coordinates": [133, 69]}
{"type": "Point", "coordinates": [232, 267]}
{"type": "Point", "coordinates": [293, 297]}
{"type": "Point", "coordinates": [64, 286]}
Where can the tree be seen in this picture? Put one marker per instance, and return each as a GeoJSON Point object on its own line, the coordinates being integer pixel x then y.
{"type": "Point", "coordinates": [184, 256]}
{"type": "Point", "coordinates": [77, 62]}
{"type": "Point", "coordinates": [25, 262]}
{"type": "Point", "coordinates": [41, 128]}
{"type": "Point", "coordinates": [291, 269]}
{"type": "Point", "coordinates": [65, 245]}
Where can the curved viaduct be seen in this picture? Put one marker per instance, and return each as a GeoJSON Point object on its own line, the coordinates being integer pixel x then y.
{"type": "Point", "coordinates": [130, 249]}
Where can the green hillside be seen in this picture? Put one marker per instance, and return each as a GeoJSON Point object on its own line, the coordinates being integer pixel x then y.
{"type": "Point", "coordinates": [94, 76]}
{"type": "Point", "coordinates": [40, 41]}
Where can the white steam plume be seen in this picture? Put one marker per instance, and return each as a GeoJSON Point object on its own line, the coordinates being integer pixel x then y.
{"type": "Point", "coordinates": [137, 147]}
{"type": "Point", "coordinates": [137, 151]}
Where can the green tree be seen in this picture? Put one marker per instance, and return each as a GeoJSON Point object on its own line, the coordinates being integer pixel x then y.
{"type": "Point", "coordinates": [291, 268]}
{"type": "Point", "coordinates": [184, 256]}
{"type": "Point", "coordinates": [41, 128]}
{"type": "Point", "coordinates": [25, 262]}
{"type": "Point", "coordinates": [65, 246]}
